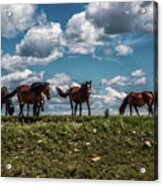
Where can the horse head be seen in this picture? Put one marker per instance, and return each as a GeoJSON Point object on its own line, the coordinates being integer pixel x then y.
{"type": "Point", "coordinates": [121, 110]}
{"type": "Point", "coordinates": [46, 90]}
{"type": "Point", "coordinates": [88, 86]}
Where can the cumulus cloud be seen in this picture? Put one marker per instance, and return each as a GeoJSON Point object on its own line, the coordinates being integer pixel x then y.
{"type": "Point", "coordinates": [17, 78]}
{"type": "Point", "coordinates": [62, 80]}
{"type": "Point", "coordinates": [136, 77]}
{"type": "Point", "coordinates": [21, 18]}
{"type": "Point", "coordinates": [110, 98]}
{"type": "Point", "coordinates": [118, 80]}
{"type": "Point", "coordinates": [123, 50]}
{"type": "Point", "coordinates": [82, 36]}
{"type": "Point", "coordinates": [114, 94]}
{"type": "Point", "coordinates": [138, 73]}
{"type": "Point", "coordinates": [9, 62]}
{"type": "Point", "coordinates": [42, 43]}
{"type": "Point", "coordinates": [140, 81]}
{"type": "Point", "coordinates": [121, 17]}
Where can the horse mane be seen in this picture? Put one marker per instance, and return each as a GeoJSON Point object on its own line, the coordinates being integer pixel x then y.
{"type": "Point", "coordinates": [38, 86]}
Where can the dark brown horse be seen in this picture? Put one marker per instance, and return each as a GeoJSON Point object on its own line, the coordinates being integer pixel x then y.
{"type": "Point", "coordinates": [137, 99]}
{"type": "Point", "coordinates": [78, 95]}
{"type": "Point", "coordinates": [30, 95]}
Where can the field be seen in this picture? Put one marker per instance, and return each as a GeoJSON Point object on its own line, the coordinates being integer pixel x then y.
{"type": "Point", "coordinates": [83, 147]}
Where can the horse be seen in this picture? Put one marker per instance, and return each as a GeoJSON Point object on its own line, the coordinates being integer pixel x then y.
{"type": "Point", "coordinates": [30, 95]}
{"type": "Point", "coordinates": [8, 102]}
{"type": "Point", "coordinates": [137, 99]}
{"type": "Point", "coordinates": [78, 95]}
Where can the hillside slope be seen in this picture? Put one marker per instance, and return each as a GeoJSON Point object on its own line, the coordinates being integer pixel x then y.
{"type": "Point", "coordinates": [85, 147]}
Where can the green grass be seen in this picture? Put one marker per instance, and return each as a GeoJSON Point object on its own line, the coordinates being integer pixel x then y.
{"type": "Point", "coordinates": [65, 147]}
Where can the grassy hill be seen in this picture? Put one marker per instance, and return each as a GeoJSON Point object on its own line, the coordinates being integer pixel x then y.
{"type": "Point", "coordinates": [82, 147]}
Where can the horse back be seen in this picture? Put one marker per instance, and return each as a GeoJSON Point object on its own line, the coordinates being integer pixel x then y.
{"type": "Point", "coordinates": [136, 98]}
{"type": "Point", "coordinates": [148, 97]}
{"type": "Point", "coordinates": [24, 88]}
{"type": "Point", "coordinates": [75, 89]}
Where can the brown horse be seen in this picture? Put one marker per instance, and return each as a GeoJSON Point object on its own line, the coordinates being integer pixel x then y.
{"type": "Point", "coordinates": [78, 95]}
{"type": "Point", "coordinates": [30, 95]}
{"type": "Point", "coordinates": [137, 99]}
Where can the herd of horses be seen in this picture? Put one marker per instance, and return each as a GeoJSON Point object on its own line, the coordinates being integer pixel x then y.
{"type": "Point", "coordinates": [35, 94]}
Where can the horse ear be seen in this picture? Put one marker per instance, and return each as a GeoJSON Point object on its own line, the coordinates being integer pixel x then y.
{"type": "Point", "coordinates": [90, 82]}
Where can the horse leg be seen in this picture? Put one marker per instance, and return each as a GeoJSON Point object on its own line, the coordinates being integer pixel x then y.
{"type": "Point", "coordinates": [38, 110]}
{"type": "Point", "coordinates": [150, 110]}
{"type": "Point", "coordinates": [21, 109]}
{"type": "Point", "coordinates": [89, 109]}
{"type": "Point", "coordinates": [136, 110]}
{"type": "Point", "coordinates": [42, 106]}
{"type": "Point", "coordinates": [76, 106]}
{"type": "Point", "coordinates": [130, 110]}
{"type": "Point", "coordinates": [80, 109]}
{"type": "Point", "coordinates": [27, 109]}
{"type": "Point", "coordinates": [34, 109]}
{"type": "Point", "coordinates": [6, 109]}
{"type": "Point", "coordinates": [71, 104]}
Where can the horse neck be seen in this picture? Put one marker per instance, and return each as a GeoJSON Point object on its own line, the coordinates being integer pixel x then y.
{"type": "Point", "coordinates": [124, 103]}
{"type": "Point", "coordinates": [37, 91]}
{"type": "Point", "coordinates": [84, 92]}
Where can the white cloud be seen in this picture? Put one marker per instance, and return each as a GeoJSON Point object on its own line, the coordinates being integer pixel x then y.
{"type": "Point", "coordinates": [121, 17]}
{"type": "Point", "coordinates": [114, 94]}
{"type": "Point", "coordinates": [140, 81]}
{"type": "Point", "coordinates": [21, 19]}
{"type": "Point", "coordinates": [137, 77]}
{"type": "Point", "coordinates": [62, 80]}
{"type": "Point", "coordinates": [17, 78]}
{"type": "Point", "coordinates": [138, 73]}
{"type": "Point", "coordinates": [118, 80]}
{"type": "Point", "coordinates": [111, 99]}
{"type": "Point", "coordinates": [123, 50]}
{"type": "Point", "coordinates": [8, 63]}
{"type": "Point", "coordinates": [82, 36]}
{"type": "Point", "coordinates": [42, 44]}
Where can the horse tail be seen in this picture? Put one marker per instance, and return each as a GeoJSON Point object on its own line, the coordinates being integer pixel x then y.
{"type": "Point", "coordinates": [10, 94]}
{"type": "Point", "coordinates": [61, 93]}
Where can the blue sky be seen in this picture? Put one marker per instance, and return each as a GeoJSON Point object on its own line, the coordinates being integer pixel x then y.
{"type": "Point", "coordinates": [67, 43]}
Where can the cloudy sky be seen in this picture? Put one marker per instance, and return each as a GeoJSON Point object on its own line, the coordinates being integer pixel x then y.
{"type": "Point", "coordinates": [108, 43]}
